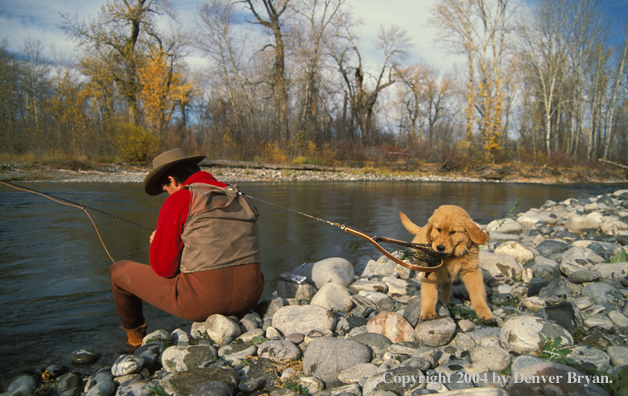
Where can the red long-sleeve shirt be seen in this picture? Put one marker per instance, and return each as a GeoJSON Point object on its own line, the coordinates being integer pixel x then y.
{"type": "Point", "coordinates": [165, 250]}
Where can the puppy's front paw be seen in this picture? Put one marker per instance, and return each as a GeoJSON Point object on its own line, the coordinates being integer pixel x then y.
{"type": "Point", "coordinates": [427, 314]}
{"type": "Point", "coordinates": [485, 314]}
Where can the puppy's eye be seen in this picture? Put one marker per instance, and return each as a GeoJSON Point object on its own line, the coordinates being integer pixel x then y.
{"type": "Point", "coordinates": [452, 232]}
{"type": "Point", "coordinates": [438, 229]}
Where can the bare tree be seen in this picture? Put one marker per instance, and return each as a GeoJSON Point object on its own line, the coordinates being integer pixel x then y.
{"type": "Point", "coordinates": [544, 48]}
{"type": "Point", "coordinates": [392, 42]}
{"type": "Point", "coordinates": [275, 10]}
{"type": "Point", "coordinates": [479, 29]}
{"type": "Point", "coordinates": [317, 20]}
{"type": "Point", "coordinates": [621, 59]}
{"type": "Point", "coordinates": [115, 39]}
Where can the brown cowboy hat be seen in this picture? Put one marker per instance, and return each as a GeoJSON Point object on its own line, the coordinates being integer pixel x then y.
{"type": "Point", "coordinates": [161, 164]}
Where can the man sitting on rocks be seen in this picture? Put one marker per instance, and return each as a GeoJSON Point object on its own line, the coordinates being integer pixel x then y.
{"type": "Point", "coordinates": [204, 254]}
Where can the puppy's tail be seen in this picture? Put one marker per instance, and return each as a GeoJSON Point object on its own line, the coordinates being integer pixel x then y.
{"type": "Point", "coordinates": [408, 224]}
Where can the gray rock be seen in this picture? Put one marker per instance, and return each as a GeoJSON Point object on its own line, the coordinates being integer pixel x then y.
{"type": "Point", "coordinates": [151, 354]}
{"type": "Point", "coordinates": [102, 384]}
{"type": "Point", "coordinates": [497, 236]}
{"type": "Point", "coordinates": [69, 384]}
{"type": "Point", "coordinates": [346, 354]}
{"type": "Point", "coordinates": [134, 387]}
{"type": "Point", "coordinates": [251, 385]}
{"type": "Point", "coordinates": [221, 329]}
{"type": "Point", "coordinates": [602, 293]}
{"type": "Point", "coordinates": [381, 267]}
{"type": "Point", "coordinates": [251, 321]}
{"type": "Point", "coordinates": [127, 364]}
{"type": "Point", "coordinates": [546, 271]}
{"type": "Point", "coordinates": [618, 318]}
{"type": "Point", "coordinates": [183, 383]}
{"type": "Point", "coordinates": [584, 276]}
{"type": "Point", "coordinates": [357, 373]}
{"type": "Point", "coordinates": [516, 250]}
{"type": "Point", "coordinates": [413, 311]}
{"type": "Point", "coordinates": [436, 332]}
{"type": "Point", "coordinates": [236, 352]}
{"type": "Point", "coordinates": [524, 360]}
{"type": "Point", "coordinates": [212, 388]}
{"type": "Point", "coordinates": [576, 258]}
{"type": "Point", "coordinates": [507, 225]}
{"type": "Point", "coordinates": [183, 358]}
{"type": "Point", "coordinates": [156, 336]}
{"type": "Point", "coordinates": [279, 350]}
{"type": "Point", "coordinates": [590, 358]}
{"type": "Point", "coordinates": [614, 271]}
{"type": "Point", "coordinates": [554, 290]}
{"type": "Point", "coordinates": [268, 308]}
{"type": "Point", "coordinates": [382, 301]}
{"type": "Point", "coordinates": [618, 355]}
{"type": "Point", "coordinates": [385, 382]}
{"type": "Point", "coordinates": [304, 291]}
{"type": "Point", "coordinates": [475, 392]}
{"type": "Point", "coordinates": [495, 358]}
{"type": "Point", "coordinates": [527, 334]}
{"type": "Point", "coordinates": [581, 224]}
{"type": "Point", "coordinates": [519, 387]}
{"type": "Point", "coordinates": [500, 265]}
{"type": "Point", "coordinates": [334, 297]}
{"type": "Point", "coordinates": [551, 247]}
{"type": "Point", "coordinates": [335, 269]}
{"type": "Point", "coordinates": [377, 342]}
{"type": "Point", "coordinates": [566, 315]}
{"type": "Point", "coordinates": [303, 319]}
{"type": "Point", "coordinates": [368, 285]}
{"type": "Point", "coordinates": [180, 337]}
{"type": "Point", "coordinates": [83, 357]}
{"type": "Point", "coordinates": [600, 320]}
{"type": "Point", "coordinates": [346, 390]}
{"type": "Point", "coordinates": [23, 385]}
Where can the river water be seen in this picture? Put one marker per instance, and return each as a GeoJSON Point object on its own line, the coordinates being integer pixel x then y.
{"type": "Point", "coordinates": [55, 294]}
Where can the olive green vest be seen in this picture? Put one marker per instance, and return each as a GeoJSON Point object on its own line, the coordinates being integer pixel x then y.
{"type": "Point", "coordinates": [221, 229]}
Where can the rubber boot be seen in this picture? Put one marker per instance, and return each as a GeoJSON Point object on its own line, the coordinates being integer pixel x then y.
{"type": "Point", "coordinates": [135, 337]}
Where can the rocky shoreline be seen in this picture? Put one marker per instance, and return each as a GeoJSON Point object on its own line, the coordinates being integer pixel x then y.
{"type": "Point", "coordinates": [557, 282]}
{"type": "Point", "coordinates": [253, 172]}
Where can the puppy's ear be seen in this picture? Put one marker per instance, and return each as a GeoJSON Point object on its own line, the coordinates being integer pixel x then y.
{"type": "Point", "coordinates": [428, 232]}
{"type": "Point", "coordinates": [408, 224]}
{"type": "Point", "coordinates": [476, 234]}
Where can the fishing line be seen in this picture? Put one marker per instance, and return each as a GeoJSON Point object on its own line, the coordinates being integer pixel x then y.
{"type": "Point", "coordinates": [74, 205]}
{"type": "Point", "coordinates": [419, 252]}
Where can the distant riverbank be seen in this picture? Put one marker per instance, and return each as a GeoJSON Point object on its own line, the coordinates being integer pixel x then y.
{"type": "Point", "coordinates": [249, 172]}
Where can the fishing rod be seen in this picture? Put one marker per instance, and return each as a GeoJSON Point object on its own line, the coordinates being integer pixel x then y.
{"type": "Point", "coordinates": [78, 205]}
{"type": "Point", "coordinates": [73, 204]}
{"type": "Point", "coordinates": [418, 251]}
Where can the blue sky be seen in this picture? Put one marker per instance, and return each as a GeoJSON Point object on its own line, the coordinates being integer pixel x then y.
{"type": "Point", "coordinates": [40, 20]}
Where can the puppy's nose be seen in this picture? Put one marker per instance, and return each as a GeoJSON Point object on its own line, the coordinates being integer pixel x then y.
{"type": "Point", "coordinates": [440, 248]}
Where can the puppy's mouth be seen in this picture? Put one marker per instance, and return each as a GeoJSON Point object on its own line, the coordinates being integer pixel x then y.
{"type": "Point", "coordinates": [456, 251]}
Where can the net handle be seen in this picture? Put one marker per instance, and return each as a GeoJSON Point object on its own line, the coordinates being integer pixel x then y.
{"type": "Point", "coordinates": [374, 239]}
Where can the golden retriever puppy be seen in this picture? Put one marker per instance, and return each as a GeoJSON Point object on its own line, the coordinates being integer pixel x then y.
{"type": "Point", "coordinates": [450, 230]}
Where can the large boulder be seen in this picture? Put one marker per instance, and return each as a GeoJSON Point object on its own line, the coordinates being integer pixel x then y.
{"type": "Point", "coordinates": [335, 269]}
{"type": "Point", "coordinates": [528, 334]}
{"type": "Point", "coordinates": [326, 357]}
{"type": "Point", "coordinates": [303, 319]}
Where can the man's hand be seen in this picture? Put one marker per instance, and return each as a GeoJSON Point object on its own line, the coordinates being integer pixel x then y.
{"type": "Point", "coordinates": [152, 236]}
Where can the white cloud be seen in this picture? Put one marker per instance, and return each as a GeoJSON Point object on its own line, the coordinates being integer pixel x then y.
{"type": "Point", "coordinates": [41, 20]}
{"type": "Point", "coordinates": [414, 17]}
